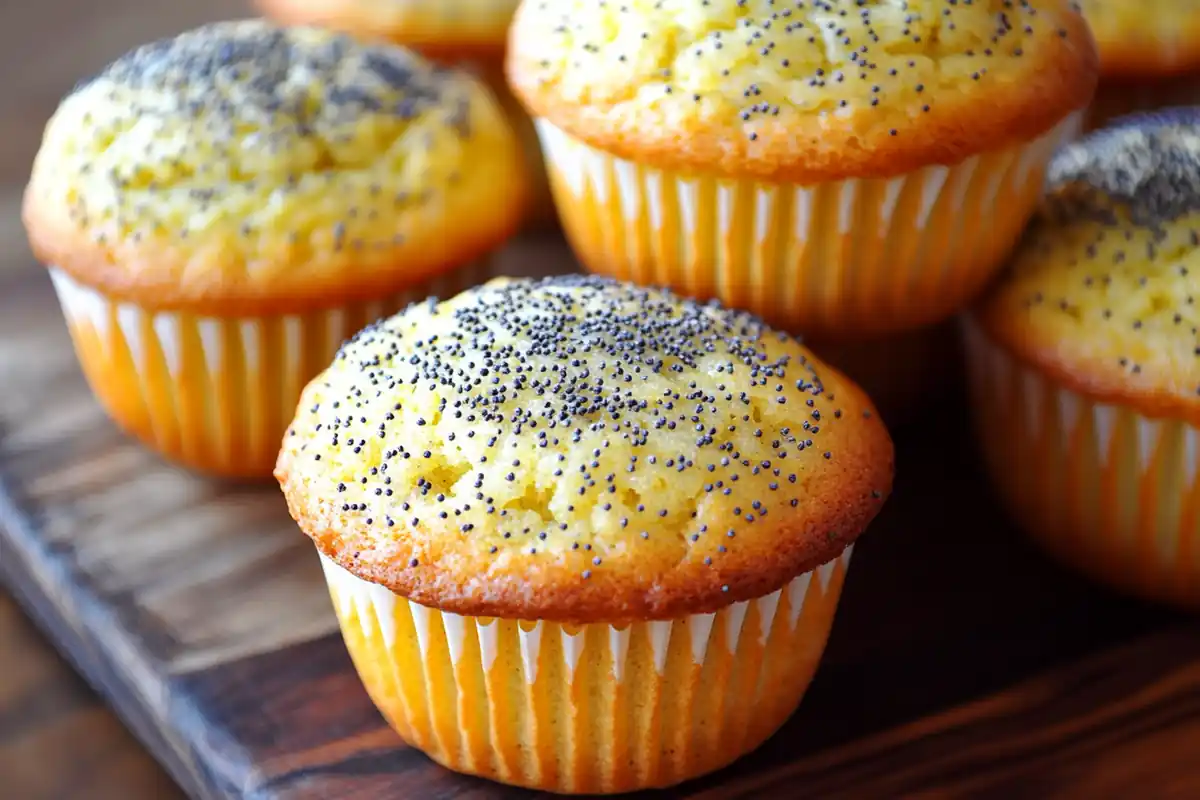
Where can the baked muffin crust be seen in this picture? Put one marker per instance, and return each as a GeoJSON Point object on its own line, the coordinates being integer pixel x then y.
{"type": "Point", "coordinates": [580, 450]}
{"type": "Point", "coordinates": [801, 91]}
{"type": "Point", "coordinates": [244, 168]}
{"type": "Point", "coordinates": [1147, 38]}
{"type": "Point", "coordinates": [1103, 294]}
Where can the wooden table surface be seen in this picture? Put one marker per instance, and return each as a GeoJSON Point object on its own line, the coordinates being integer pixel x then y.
{"type": "Point", "coordinates": [1120, 723]}
{"type": "Point", "coordinates": [57, 739]}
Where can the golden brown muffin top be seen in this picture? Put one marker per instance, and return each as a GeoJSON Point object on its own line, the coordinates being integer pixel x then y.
{"type": "Point", "coordinates": [1145, 38]}
{"type": "Point", "coordinates": [801, 91]}
{"type": "Point", "coordinates": [443, 28]}
{"type": "Point", "coordinates": [243, 164]}
{"type": "Point", "coordinates": [577, 449]}
{"type": "Point", "coordinates": [1103, 293]}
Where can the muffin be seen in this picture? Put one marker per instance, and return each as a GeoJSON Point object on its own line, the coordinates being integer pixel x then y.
{"type": "Point", "coordinates": [1085, 361]}
{"type": "Point", "coordinates": [1149, 55]}
{"type": "Point", "coordinates": [842, 168]}
{"type": "Point", "coordinates": [220, 211]}
{"type": "Point", "coordinates": [582, 536]}
{"type": "Point", "coordinates": [468, 34]}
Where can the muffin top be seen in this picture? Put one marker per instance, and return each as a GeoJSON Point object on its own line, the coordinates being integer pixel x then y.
{"type": "Point", "coordinates": [581, 450]}
{"type": "Point", "coordinates": [1103, 292]}
{"type": "Point", "coordinates": [1145, 38]}
{"type": "Point", "coordinates": [442, 28]}
{"type": "Point", "coordinates": [242, 167]}
{"type": "Point", "coordinates": [801, 91]}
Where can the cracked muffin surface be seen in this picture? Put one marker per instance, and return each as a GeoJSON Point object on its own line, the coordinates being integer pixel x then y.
{"type": "Point", "coordinates": [581, 450]}
{"type": "Point", "coordinates": [801, 91]}
{"type": "Point", "coordinates": [244, 165]}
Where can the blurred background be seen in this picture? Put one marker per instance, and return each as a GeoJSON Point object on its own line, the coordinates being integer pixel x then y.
{"type": "Point", "coordinates": [57, 738]}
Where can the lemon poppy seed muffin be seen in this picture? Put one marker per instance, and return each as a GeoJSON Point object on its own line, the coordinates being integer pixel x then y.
{"type": "Point", "coordinates": [469, 34]}
{"type": "Point", "coordinates": [1149, 55]}
{"type": "Point", "coordinates": [1086, 360]}
{"type": "Point", "coordinates": [612, 523]}
{"type": "Point", "coordinates": [842, 167]}
{"type": "Point", "coordinates": [220, 210]}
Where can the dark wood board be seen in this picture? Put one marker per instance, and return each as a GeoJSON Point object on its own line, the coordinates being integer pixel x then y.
{"type": "Point", "coordinates": [962, 662]}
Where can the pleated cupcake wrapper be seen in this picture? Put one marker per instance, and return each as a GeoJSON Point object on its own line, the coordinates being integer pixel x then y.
{"type": "Point", "coordinates": [848, 256]}
{"type": "Point", "coordinates": [215, 393]}
{"type": "Point", "coordinates": [1103, 487]}
{"type": "Point", "coordinates": [591, 708]}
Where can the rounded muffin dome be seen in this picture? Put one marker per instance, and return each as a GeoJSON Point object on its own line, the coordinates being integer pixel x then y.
{"type": "Point", "coordinates": [244, 165]}
{"type": "Point", "coordinates": [1103, 294]}
{"type": "Point", "coordinates": [577, 449]}
{"type": "Point", "coordinates": [801, 92]}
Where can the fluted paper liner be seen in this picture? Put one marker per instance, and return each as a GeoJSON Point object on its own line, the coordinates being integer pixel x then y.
{"type": "Point", "coordinates": [838, 258]}
{"type": "Point", "coordinates": [215, 393]}
{"type": "Point", "coordinates": [1102, 487]}
{"type": "Point", "coordinates": [587, 708]}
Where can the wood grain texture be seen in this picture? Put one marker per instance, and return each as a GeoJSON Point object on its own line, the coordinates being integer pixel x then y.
{"type": "Point", "coordinates": [57, 739]}
{"type": "Point", "coordinates": [962, 662]}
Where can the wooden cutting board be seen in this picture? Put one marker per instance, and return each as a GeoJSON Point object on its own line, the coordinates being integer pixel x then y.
{"type": "Point", "coordinates": [962, 662]}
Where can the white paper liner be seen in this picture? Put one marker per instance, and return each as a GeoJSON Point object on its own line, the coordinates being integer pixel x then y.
{"type": "Point", "coordinates": [795, 251]}
{"type": "Point", "coordinates": [114, 336]}
{"type": "Point", "coordinates": [1100, 484]}
{"type": "Point", "coordinates": [352, 592]}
